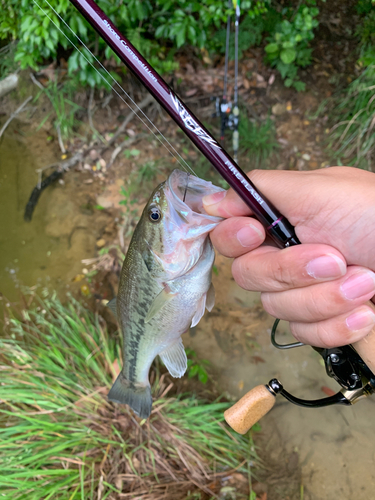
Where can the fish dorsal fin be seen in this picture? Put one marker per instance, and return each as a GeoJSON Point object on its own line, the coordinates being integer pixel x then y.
{"type": "Point", "coordinates": [174, 358]}
{"type": "Point", "coordinates": [159, 302]}
{"type": "Point", "coordinates": [112, 304]}
{"type": "Point", "coordinates": [210, 298]}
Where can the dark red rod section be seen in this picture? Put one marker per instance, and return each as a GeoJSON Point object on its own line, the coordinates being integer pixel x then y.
{"type": "Point", "coordinates": [277, 226]}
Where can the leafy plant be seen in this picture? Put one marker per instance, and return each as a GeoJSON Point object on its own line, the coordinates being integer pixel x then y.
{"type": "Point", "coordinates": [128, 200]}
{"type": "Point", "coordinates": [147, 172]}
{"type": "Point", "coordinates": [7, 63]}
{"type": "Point", "coordinates": [196, 367]}
{"type": "Point", "coordinates": [64, 107]}
{"type": "Point", "coordinates": [258, 140]}
{"type": "Point", "coordinates": [250, 34]}
{"type": "Point", "coordinates": [288, 47]}
{"type": "Point", "coordinates": [60, 437]}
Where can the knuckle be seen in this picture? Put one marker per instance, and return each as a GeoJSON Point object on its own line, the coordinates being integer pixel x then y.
{"type": "Point", "coordinates": [269, 303]}
{"type": "Point", "coordinates": [282, 272]}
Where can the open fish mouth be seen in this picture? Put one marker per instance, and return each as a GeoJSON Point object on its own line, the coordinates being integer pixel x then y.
{"type": "Point", "coordinates": [184, 193]}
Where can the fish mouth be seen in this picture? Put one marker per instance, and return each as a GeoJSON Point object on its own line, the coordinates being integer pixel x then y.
{"type": "Point", "coordinates": [187, 192]}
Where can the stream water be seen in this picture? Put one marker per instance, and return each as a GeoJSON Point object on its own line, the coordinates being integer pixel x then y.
{"type": "Point", "coordinates": [46, 251]}
{"type": "Point", "coordinates": [335, 446]}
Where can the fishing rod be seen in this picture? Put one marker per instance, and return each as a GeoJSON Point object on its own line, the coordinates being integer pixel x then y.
{"type": "Point", "coordinates": [229, 113]}
{"type": "Point", "coordinates": [353, 367]}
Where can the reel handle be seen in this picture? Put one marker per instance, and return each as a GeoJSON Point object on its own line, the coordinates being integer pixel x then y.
{"type": "Point", "coordinates": [249, 409]}
{"type": "Point", "coordinates": [366, 349]}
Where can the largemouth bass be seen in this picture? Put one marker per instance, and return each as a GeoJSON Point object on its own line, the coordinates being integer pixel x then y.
{"type": "Point", "coordinates": [165, 285]}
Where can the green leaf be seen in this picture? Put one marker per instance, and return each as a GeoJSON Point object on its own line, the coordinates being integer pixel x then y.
{"type": "Point", "coordinates": [288, 82]}
{"type": "Point", "coordinates": [299, 86]}
{"type": "Point", "coordinates": [288, 55]}
{"type": "Point", "coordinates": [271, 47]}
{"type": "Point", "coordinates": [202, 375]}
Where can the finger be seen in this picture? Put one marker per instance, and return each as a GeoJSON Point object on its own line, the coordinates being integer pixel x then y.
{"type": "Point", "coordinates": [323, 300]}
{"type": "Point", "coordinates": [269, 269]}
{"type": "Point", "coordinates": [282, 186]}
{"type": "Point", "coordinates": [238, 235]}
{"type": "Point", "coordinates": [338, 331]}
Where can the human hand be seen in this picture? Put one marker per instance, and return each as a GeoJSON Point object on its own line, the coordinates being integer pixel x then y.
{"type": "Point", "coordinates": [324, 286]}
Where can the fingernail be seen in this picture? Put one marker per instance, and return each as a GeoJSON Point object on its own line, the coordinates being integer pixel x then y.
{"type": "Point", "coordinates": [212, 199]}
{"type": "Point", "coordinates": [358, 285]}
{"type": "Point", "coordinates": [360, 319]}
{"type": "Point", "coordinates": [250, 236]}
{"type": "Point", "coordinates": [327, 266]}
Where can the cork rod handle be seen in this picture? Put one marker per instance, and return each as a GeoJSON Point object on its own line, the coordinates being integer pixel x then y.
{"type": "Point", "coordinates": [249, 409]}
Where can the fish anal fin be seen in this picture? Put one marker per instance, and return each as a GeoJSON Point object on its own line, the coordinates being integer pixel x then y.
{"type": "Point", "coordinates": [174, 358]}
{"type": "Point", "coordinates": [112, 305]}
{"type": "Point", "coordinates": [161, 300]}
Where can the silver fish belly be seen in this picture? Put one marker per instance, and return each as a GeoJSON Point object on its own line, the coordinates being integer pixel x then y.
{"type": "Point", "coordinates": [165, 285]}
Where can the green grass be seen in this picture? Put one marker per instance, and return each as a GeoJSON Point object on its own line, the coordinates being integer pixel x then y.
{"type": "Point", "coordinates": [60, 439]}
{"type": "Point", "coordinates": [352, 138]}
{"type": "Point", "coordinates": [257, 140]}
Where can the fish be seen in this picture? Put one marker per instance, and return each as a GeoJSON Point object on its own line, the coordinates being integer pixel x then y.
{"type": "Point", "coordinates": [165, 285]}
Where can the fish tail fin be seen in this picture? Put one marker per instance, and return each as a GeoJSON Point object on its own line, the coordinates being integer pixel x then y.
{"type": "Point", "coordinates": [137, 396]}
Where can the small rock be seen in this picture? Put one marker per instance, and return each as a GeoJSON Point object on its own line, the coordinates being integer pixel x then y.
{"type": "Point", "coordinates": [100, 243]}
{"type": "Point", "coordinates": [306, 157]}
{"type": "Point", "coordinates": [279, 109]}
{"type": "Point", "coordinates": [86, 166]}
{"type": "Point", "coordinates": [313, 164]}
{"type": "Point", "coordinates": [93, 154]}
{"type": "Point", "coordinates": [300, 164]}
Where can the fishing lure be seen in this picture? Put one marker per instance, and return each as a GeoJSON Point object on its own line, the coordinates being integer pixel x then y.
{"type": "Point", "coordinates": [353, 368]}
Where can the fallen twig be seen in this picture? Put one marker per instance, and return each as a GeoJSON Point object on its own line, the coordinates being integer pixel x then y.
{"type": "Point", "coordinates": [13, 115]}
{"type": "Point", "coordinates": [122, 146]}
{"type": "Point", "coordinates": [145, 102]}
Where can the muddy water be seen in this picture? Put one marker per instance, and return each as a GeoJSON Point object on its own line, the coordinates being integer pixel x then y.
{"type": "Point", "coordinates": [49, 249]}
{"type": "Point", "coordinates": [336, 445]}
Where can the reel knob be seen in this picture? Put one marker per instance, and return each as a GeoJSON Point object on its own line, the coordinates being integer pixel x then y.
{"type": "Point", "coordinates": [249, 409]}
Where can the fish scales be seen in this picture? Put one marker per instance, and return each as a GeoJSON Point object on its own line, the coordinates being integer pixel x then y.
{"type": "Point", "coordinates": [165, 285]}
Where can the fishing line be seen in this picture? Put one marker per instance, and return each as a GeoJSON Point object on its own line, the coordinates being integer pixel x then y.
{"type": "Point", "coordinates": [184, 164]}
{"type": "Point", "coordinates": [187, 183]}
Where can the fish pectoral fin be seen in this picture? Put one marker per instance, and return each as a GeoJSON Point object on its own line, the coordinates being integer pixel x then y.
{"type": "Point", "coordinates": [164, 297]}
{"type": "Point", "coordinates": [112, 305]}
{"type": "Point", "coordinates": [210, 298]}
{"type": "Point", "coordinates": [174, 358]}
{"type": "Point", "coordinates": [199, 312]}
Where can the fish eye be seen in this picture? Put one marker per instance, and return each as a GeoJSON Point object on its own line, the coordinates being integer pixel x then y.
{"type": "Point", "coordinates": [154, 214]}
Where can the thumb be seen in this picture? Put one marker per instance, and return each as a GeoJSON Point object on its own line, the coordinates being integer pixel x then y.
{"type": "Point", "coordinates": [297, 195]}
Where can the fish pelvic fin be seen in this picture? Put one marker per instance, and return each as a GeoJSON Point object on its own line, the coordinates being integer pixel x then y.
{"type": "Point", "coordinates": [112, 305]}
{"type": "Point", "coordinates": [137, 396]}
{"type": "Point", "coordinates": [174, 358]}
